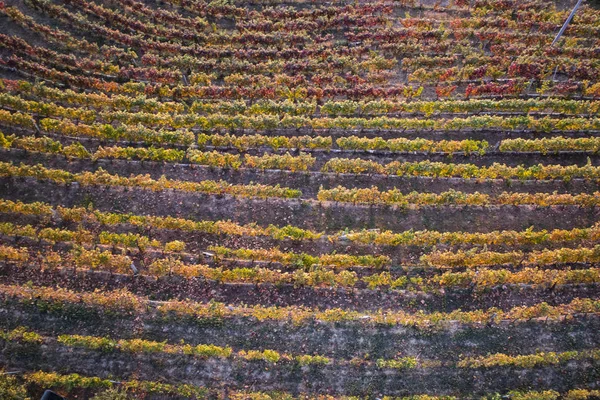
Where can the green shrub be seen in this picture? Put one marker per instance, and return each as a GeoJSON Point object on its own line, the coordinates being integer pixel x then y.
{"type": "Point", "coordinates": [10, 389]}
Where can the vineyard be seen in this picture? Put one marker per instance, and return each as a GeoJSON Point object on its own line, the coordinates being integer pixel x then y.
{"type": "Point", "coordinates": [299, 200]}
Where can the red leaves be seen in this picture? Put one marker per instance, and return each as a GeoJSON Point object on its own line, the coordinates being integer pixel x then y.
{"type": "Point", "coordinates": [528, 70]}
{"type": "Point", "coordinates": [479, 72]}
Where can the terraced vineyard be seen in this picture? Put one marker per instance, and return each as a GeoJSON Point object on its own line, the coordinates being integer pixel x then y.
{"type": "Point", "coordinates": [294, 199]}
